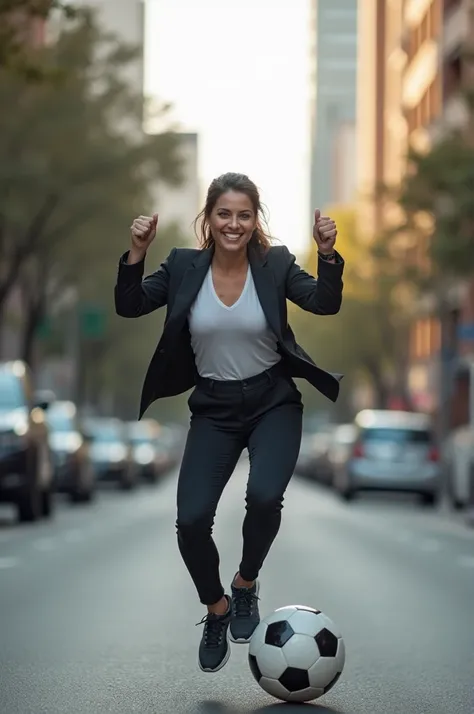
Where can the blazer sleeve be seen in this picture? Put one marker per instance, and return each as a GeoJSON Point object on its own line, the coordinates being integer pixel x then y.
{"type": "Point", "coordinates": [136, 296]}
{"type": "Point", "coordinates": [321, 296]}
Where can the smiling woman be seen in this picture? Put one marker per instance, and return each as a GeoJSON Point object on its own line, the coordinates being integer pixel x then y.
{"type": "Point", "coordinates": [227, 335]}
{"type": "Point", "coordinates": [233, 213]}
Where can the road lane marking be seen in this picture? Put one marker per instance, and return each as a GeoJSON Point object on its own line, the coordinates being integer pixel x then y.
{"type": "Point", "coordinates": [6, 563]}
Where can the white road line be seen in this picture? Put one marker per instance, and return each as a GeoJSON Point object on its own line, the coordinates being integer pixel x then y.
{"type": "Point", "coordinates": [6, 563]}
{"type": "Point", "coordinates": [466, 561]}
{"type": "Point", "coordinates": [44, 544]}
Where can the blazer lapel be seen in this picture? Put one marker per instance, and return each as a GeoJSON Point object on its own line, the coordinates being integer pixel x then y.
{"type": "Point", "coordinates": [266, 288]}
{"type": "Point", "coordinates": [191, 282]}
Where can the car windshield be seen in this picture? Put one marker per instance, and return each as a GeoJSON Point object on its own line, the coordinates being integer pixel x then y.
{"type": "Point", "coordinates": [104, 432]}
{"type": "Point", "coordinates": [11, 394]}
{"type": "Point", "coordinates": [397, 435]}
{"type": "Point", "coordinates": [60, 422]}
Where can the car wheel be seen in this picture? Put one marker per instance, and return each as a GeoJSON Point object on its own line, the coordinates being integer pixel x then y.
{"type": "Point", "coordinates": [85, 489]}
{"type": "Point", "coordinates": [429, 499]}
{"type": "Point", "coordinates": [47, 503]}
{"type": "Point", "coordinates": [127, 480]}
{"type": "Point", "coordinates": [29, 505]}
{"type": "Point", "coordinates": [347, 495]}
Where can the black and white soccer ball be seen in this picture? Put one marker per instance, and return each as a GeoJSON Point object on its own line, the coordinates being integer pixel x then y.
{"type": "Point", "coordinates": [296, 654]}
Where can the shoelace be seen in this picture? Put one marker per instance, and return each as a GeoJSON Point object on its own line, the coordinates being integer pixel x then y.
{"type": "Point", "coordinates": [214, 627]}
{"type": "Point", "coordinates": [244, 602]}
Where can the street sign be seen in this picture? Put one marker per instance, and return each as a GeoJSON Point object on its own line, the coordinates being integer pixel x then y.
{"type": "Point", "coordinates": [44, 329]}
{"type": "Point", "coordinates": [92, 321]}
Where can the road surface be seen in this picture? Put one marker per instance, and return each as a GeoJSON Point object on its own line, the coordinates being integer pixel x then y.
{"type": "Point", "coordinates": [97, 612]}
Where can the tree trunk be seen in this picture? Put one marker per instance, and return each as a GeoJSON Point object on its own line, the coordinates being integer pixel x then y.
{"type": "Point", "coordinates": [34, 314]}
{"type": "Point", "coordinates": [379, 383]}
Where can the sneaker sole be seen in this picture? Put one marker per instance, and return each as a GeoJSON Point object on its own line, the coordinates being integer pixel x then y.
{"type": "Point", "coordinates": [243, 640]}
{"type": "Point", "coordinates": [240, 640]}
{"type": "Point", "coordinates": [207, 670]}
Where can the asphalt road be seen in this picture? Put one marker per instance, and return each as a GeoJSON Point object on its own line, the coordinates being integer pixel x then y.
{"type": "Point", "coordinates": [97, 612]}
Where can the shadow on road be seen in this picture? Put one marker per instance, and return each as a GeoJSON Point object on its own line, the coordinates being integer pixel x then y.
{"type": "Point", "coordinates": [211, 707]}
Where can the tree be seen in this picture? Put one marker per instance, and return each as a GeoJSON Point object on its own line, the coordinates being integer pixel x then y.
{"type": "Point", "coordinates": [19, 51]}
{"type": "Point", "coordinates": [440, 183]}
{"type": "Point", "coordinates": [367, 340]}
{"type": "Point", "coordinates": [72, 171]}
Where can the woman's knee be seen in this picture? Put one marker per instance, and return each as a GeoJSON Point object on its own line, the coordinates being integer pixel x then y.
{"type": "Point", "coordinates": [192, 527]}
{"type": "Point", "coordinates": [264, 502]}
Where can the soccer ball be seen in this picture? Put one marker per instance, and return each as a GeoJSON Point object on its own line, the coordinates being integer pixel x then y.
{"type": "Point", "coordinates": [296, 654]}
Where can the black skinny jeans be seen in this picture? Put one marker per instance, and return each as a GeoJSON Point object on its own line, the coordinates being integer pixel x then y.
{"type": "Point", "coordinates": [264, 414]}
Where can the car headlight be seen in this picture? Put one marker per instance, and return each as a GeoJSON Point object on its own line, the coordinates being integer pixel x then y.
{"type": "Point", "coordinates": [143, 454]}
{"type": "Point", "coordinates": [117, 452]}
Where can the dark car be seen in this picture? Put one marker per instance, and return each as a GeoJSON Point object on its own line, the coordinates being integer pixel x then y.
{"type": "Point", "coordinates": [26, 466]}
{"type": "Point", "coordinates": [111, 452]}
{"type": "Point", "coordinates": [74, 470]}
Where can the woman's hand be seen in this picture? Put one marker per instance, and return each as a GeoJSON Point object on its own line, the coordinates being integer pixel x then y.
{"type": "Point", "coordinates": [143, 232]}
{"type": "Point", "coordinates": [324, 233]}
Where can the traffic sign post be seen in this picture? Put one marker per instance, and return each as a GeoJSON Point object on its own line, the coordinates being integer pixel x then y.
{"type": "Point", "coordinates": [92, 321]}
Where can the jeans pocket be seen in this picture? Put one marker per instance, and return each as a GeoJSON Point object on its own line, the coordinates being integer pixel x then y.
{"type": "Point", "coordinates": [198, 401]}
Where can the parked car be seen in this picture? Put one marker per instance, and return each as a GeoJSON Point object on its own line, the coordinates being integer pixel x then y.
{"type": "Point", "coordinates": [313, 457]}
{"type": "Point", "coordinates": [74, 470]}
{"type": "Point", "coordinates": [149, 456]}
{"type": "Point", "coordinates": [26, 465]}
{"type": "Point", "coordinates": [460, 467]}
{"type": "Point", "coordinates": [340, 445]}
{"type": "Point", "coordinates": [111, 451]}
{"type": "Point", "coordinates": [393, 451]}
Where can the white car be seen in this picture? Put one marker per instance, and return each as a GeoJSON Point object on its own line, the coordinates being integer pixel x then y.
{"type": "Point", "coordinates": [392, 451]}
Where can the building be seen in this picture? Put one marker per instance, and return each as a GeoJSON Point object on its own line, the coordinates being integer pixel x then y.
{"type": "Point", "coordinates": [333, 101]}
{"type": "Point", "coordinates": [180, 205]}
{"type": "Point", "coordinates": [126, 19]}
{"type": "Point", "coordinates": [409, 82]}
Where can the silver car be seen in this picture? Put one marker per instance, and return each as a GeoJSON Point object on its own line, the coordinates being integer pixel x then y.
{"type": "Point", "coordinates": [392, 451]}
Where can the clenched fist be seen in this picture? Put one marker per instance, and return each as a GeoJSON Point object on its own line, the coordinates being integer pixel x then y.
{"type": "Point", "coordinates": [324, 233]}
{"type": "Point", "coordinates": [143, 231]}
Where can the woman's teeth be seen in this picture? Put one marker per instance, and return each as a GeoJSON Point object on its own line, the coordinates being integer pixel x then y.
{"type": "Point", "coordinates": [232, 236]}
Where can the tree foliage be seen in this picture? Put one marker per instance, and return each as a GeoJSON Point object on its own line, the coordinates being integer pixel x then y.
{"type": "Point", "coordinates": [75, 167]}
{"type": "Point", "coordinates": [367, 339]}
{"type": "Point", "coordinates": [19, 51]}
{"type": "Point", "coordinates": [440, 183]}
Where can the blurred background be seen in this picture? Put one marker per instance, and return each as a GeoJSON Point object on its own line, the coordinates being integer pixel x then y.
{"type": "Point", "coordinates": [114, 108]}
{"type": "Point", "coordinates": [119, 107]}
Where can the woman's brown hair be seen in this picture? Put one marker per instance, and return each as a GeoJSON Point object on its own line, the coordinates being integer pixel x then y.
{"type": "Point", "coordinates": [240, 184]}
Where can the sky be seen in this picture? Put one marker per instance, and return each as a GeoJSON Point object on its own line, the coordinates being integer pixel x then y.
{"type": "Point", "coordinates": [237, 72]}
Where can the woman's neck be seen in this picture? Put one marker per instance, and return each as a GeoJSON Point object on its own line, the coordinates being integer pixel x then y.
{"type": "Point", "coordinates": [228, 262]}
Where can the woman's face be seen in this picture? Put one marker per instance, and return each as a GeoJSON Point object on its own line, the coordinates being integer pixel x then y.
{"type": "Point", "coordinates": [232, 221]}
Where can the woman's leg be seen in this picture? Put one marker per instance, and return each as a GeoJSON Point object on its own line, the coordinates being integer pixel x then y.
{"type": "Point", "coordinates": [209, 459]}
{"type": "Point", "coordinates": [274, 445]}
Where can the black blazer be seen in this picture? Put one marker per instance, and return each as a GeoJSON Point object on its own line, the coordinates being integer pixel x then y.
{"type": "Point", "coordinates": [176, 283]}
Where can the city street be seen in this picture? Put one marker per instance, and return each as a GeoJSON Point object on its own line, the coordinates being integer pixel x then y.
{"type": "Point", "coordinates": [97, 612]}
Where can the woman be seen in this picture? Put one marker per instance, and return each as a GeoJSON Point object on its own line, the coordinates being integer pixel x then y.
{"type": "Point", "coordinates": [226, 333]}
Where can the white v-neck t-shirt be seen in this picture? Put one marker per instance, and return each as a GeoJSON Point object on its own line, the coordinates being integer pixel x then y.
{"type": "Point", "coordinates": [231, 342]}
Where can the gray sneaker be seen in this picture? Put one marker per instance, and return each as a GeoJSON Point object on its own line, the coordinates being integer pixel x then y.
{"type": "Point", "coordinates": [245, 613]}
{"type": "Point", "coordinates": [214, 649]}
